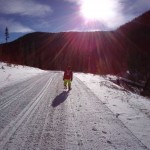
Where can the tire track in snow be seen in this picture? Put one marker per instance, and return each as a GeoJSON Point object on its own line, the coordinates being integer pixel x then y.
{"type": "Point", "coordinates": [33, 125]}
{"type": "Point", "coordinates": [10, 129]}
{"type": "Point", "coordinates": [52, 135]}
{"type": "Point", "coordinates": [14, 97]}
{"type": "Point", "coordinates": [15, 88]}
{"type": "Point", "coordinates": [37, 130]}
{"type": "Point", "coordinates": [11, 112]}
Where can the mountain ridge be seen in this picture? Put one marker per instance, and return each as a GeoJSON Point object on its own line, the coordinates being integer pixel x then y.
{"type": "Point", "coordinates": [95, 52]}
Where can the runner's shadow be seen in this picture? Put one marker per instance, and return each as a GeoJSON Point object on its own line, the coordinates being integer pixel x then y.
{"type": "Point", "coordinates": [60, 98]}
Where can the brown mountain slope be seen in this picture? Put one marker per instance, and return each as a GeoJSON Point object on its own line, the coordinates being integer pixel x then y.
{"type": "Point", "coordinates": [96, 52]}
{"type": "Point", "coordinates": [85, 51]}
{"type": "Point", "coordinates": [136, 35]}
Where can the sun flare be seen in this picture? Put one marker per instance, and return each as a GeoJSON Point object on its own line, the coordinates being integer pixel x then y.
{"type": "Point", "coordinates": [98, 9]}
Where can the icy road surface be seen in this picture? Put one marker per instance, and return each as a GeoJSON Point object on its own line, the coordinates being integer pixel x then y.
{"type": "Point", "coordinates": [38, 114]}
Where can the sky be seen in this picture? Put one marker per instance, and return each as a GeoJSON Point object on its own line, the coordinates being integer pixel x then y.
{"type": "Point", "coordinates": [26, 16]}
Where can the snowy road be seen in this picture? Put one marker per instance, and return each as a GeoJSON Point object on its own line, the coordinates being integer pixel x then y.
{"type": "Point", "coordinates": [38, 114]}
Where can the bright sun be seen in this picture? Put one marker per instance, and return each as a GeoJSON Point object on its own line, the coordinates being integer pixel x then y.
{"type": "Point", "coordinates": [98, 9]}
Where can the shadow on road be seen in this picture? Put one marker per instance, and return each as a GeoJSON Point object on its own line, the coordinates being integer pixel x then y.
{"type": "Point", "coordinates": [60, 98]}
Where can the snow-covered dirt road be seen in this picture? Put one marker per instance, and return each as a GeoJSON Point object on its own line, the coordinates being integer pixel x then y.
{"type": "Point", "coordinates": [38, 114]}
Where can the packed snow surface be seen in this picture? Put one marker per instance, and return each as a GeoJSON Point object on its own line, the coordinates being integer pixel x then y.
{"type": "Point", "coordinates": [37, 113]}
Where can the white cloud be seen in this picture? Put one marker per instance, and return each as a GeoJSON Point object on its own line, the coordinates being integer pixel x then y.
{"type": "Point", "coordinates": [111, 21]}
{"type": "Point", "coordinates": [74, 1]}
{"type": "Point", "coordinates": [123, 11]}
{"type": "Point", "coordinates": [14, 26]}
{"type": "Point", "coordinates": [141, 4]}
{"type": "Point", "coordinates": [24, 7]}
{"type": "Point", "coordinates": [137, 7]}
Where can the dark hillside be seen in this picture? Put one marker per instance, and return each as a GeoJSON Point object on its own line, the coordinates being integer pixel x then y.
{"type": "Point", "coordinates": [95, 52]}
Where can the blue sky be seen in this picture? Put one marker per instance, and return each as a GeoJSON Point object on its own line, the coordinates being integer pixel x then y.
{"type": "Point", "coordinates": [25, 16]}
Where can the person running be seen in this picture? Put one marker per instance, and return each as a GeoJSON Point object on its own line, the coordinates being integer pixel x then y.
{"type": "Point", "coordinates": [68, 76]}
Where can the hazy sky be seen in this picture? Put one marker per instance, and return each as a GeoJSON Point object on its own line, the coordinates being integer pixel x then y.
{"type": "Point", "coordinates": [25, 16]}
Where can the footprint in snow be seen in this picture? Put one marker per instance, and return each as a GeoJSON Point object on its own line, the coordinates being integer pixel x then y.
{"type": "Point", "coordinates": [94, 129]}
{"type": "Point", "coordinates": [104, 103]}
{"type": "Point", "coordinates": [80, 143]}
{"type": "Point", "coordinates": [109, 142]}
{"type": "Point", "coordinates": [104, 132]}
{"type": "Point", "coordinates": [117, 115]}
